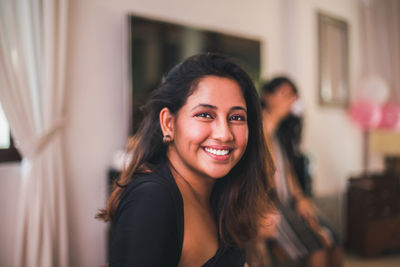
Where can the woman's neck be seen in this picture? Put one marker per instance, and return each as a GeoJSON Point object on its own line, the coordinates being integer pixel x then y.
{"type": "Point", "coordinates": [199, 187]}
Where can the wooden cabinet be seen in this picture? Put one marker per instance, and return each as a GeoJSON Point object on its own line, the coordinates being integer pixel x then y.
{"type": "Point", "coordinates": [373, 214]}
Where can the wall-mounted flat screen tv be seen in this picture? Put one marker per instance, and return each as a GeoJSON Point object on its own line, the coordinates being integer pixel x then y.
{"type": "Point", "coordinates": [156, 46]}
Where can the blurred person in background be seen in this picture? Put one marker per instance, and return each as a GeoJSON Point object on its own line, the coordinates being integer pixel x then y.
{"type": "Point", "coordinates": [301, 239]}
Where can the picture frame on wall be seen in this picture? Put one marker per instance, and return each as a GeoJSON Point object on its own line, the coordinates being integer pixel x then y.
{"type": "Point", "coordinates": [333, 57]}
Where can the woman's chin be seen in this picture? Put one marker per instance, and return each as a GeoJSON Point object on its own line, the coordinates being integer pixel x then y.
{"type": "Point", "coordinates": [218, 174]}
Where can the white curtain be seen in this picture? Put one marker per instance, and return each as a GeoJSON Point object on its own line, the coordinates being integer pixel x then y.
{"type": "Point", "coordinates": [32, 66]}
{"type": "Point", "coordinates": [380, 43]}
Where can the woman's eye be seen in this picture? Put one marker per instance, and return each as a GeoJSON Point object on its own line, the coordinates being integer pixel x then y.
{"type": "Point", "coordinates": [204, 115]}
{"type": "Point", "coordinates": [238, 118]}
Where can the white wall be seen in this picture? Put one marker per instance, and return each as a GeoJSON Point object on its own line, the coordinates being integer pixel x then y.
{"type": "Point", "coordinates": [98, 93]}
{"type": "Point", "coordinates": [330, 138]}
{"type": "Point", "coordinates": [332, 141]}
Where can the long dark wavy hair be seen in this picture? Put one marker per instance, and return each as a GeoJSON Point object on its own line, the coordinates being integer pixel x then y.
{"type": "Point", "coordinates": [238, 200]}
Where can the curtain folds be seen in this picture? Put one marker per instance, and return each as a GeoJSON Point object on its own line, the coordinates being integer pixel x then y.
{"type": "Point", "coordinates": [380, 43]}
{"type": "Point", "coordinates": [32, 73]}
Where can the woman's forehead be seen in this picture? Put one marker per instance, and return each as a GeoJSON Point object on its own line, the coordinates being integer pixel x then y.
{"type": "Point", "coordinates": [218, 90]}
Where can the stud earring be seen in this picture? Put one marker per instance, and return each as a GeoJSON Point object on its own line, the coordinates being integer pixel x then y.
{"type": "Point", "coordinates": [167, 139]}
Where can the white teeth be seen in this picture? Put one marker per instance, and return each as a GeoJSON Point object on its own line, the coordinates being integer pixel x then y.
{"type": "Point", "coordinates": [217, 152]}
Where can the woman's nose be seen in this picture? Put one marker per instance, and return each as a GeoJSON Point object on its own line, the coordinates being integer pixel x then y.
{"type": "Point", "coordinates": [222, 131]}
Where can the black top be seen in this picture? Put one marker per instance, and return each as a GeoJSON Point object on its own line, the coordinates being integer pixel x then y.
{"type": "Point", "coordinates": [148, 226]}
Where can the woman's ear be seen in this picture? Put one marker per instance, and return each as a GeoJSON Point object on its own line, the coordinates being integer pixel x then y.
{"type": "Point", "coordinates": [167, 123]}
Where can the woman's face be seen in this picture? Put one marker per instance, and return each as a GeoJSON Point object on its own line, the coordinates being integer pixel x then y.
{"type": "Point", "coordinates": [280, 102]}
{"type": "Point", "coordinates": [210, 131]}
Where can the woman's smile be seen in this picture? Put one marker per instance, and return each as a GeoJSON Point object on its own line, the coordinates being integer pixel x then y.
{"type": "Point", "coordinates": [220, 153]}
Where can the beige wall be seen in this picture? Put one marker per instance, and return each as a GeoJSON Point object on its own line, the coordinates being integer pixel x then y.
{"type": "Point", "coordinates": [98, 93]}
{"type": "Point", "coordinates": [330, 138]}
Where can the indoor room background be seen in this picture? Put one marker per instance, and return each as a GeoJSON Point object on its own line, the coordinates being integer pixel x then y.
{"type": "Point", "coordinates": [98, 102]}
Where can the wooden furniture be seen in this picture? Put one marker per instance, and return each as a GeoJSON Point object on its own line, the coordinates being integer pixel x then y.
{"type": "Point", "coordinates": [373, 214]}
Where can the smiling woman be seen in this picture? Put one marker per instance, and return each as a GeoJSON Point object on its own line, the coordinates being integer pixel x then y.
{"type": "Point", "coordinates": [195, 190]}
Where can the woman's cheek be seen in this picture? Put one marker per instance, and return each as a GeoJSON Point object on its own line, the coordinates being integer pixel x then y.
{"type": "Point", "coordinates": [241, 138]}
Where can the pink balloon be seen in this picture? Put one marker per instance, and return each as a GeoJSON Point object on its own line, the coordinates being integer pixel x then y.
{"type": "Point", "coordinates": [365, 113]}
{"type": "Point", "coordinates": [390, 116]}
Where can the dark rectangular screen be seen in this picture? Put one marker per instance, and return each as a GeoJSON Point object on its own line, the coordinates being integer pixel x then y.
{"type": "Point", "coordinates": [157, 46]}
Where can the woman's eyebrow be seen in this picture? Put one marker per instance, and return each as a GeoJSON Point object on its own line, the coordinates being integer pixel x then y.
{"type": "Point", "coordinates": [239, 108]}
{"type": "Point", "coordinates": [205, 106]}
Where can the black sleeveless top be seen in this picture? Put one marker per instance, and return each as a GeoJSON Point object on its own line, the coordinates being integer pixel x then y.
{"type": "Point", "coordinates": [148, 226]}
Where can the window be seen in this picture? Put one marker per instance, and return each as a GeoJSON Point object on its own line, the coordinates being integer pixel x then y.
{"type": "Point", "coordinates": [8, 152]}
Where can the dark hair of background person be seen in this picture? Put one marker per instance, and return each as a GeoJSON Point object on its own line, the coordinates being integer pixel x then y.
{"type": "Point", "coordinates": [289, 133]}
{"type": "Point", "coordinates": [273, 85]}
{"type": "Point", "coordinates": [239, 199]}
